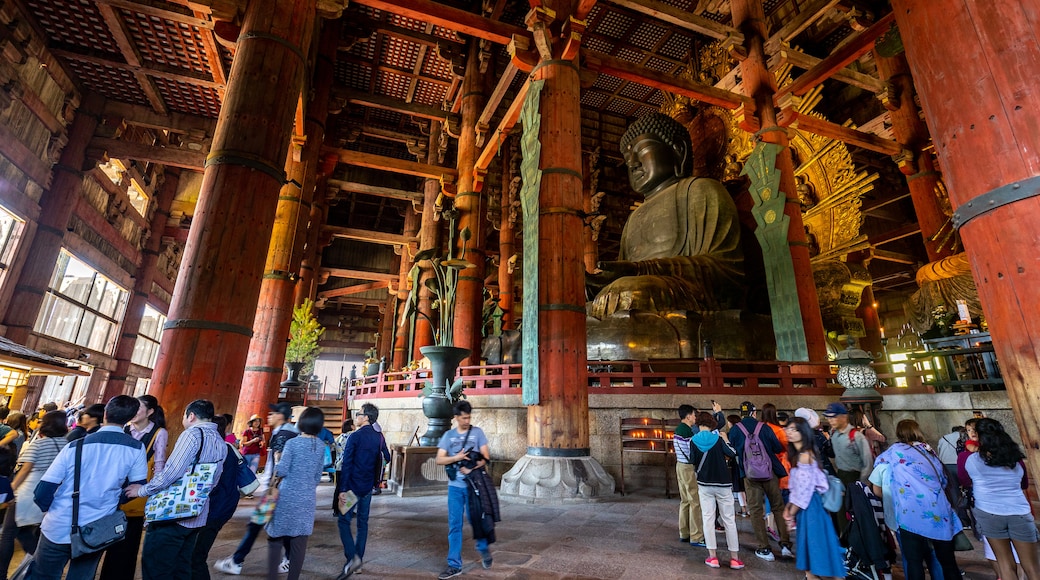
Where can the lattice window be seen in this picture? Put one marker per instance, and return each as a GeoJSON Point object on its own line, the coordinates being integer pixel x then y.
{"type": "Point", "coordinates": [191, 99]}
{"type": "Point", "coordinates": [659, 65]}
{"type": "Point", "coordinates": [647, 35]}
{"type": "Point", "coordinates": [353, 75]}
{"type": "Point", "coordinates": [399, 53]}
{"type": "Point", "coordinates": [428, 93]}
{"type": "Point", "coordinates": [608, 83]}
{"type": "Point", "coordinates": [677, 47]}
{"type": "Point", "coordinates": [391, 84]}
{"type": "Point", "coordinates": [113, 83]}
{"type": "Point", "coordinates": [173, 44]}
{"type": "Point", "coordinates": [74, 22]}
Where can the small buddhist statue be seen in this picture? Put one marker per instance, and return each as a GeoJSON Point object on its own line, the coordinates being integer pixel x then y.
{"type": "Point", "coordinates": [680, 249]}
{"type": "Point", "coordinates": [806, 193]}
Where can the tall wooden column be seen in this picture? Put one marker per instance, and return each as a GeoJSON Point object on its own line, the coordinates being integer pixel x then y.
{"type": "Point", "coordinates": [117, 381]}
{"type": "Point", "coordinates": [274, 309]}
{"type": "Point", "coordinates": [56, 207]}
{"type": "Point", "coordinates": [307, 286]}
{"type": "Point", "coordinates": [558, 463]}
{"type": "Point", "coordinates": [469, 297]}
{"type": "Point", "coordinates": [760, 85]}
{"type": "Point", "coordinates": [981, 95]}
{"type": "Point", "coordinates": [429, 237]}
{"type": "Point", "coordinates": [921, 176]}
{"type": "Point", "coordinates": [403, 334]}
{"type": "Point", "coordinates": [207, 337]}
{"type": "Point", "coordinates": [507, 236]}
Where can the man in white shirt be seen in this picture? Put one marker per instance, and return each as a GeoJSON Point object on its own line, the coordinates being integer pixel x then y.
{"type": "Point", "coordinates": [109, 458]}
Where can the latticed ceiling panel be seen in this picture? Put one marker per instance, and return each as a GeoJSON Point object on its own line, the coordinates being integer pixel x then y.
{"type": "Point", "coordinates": [388, 119]}
{"type": "Point", "coordinates": [428, 93]}
{"type": "Point", "coordinates": [75, 23]}
{"type": "Point", "coordinates": [659, 65]}
{"type": "Point", "coordinates": [113, 83]}
{"type": "Point", "coordinates": [191, 99]}
{"type": "Point", "coordinates": [630, 55]}
{"type": "Point", "coordinates": [593, 99]}
{"type": "Point", "coordinates": [391, 84]}
{"type": "Point", "coordinates": [599, 44]}
{"type": "Point", "coordinates": [170, 43]}
{"type": "Point", "coordinates": [647, 35]}
{"type": "Point", "coordinates": [365, 50]}
{"type": "Point", "coordinates": [436, 67]}
{"type": "Point", "coordinates": [442, 32]}
{"type": "Point", "coordinates": [353, 75]}
{"type": "Point", "coordinates": [614, 25]}
{"type": "Point", "coordinates": [405, 22]}
{"type": "Point", "coordinates": [399, 53]}
{"type": "Point", "coordinates": [677, 47]}
{"type": "Point", "coordinates": [636, 91]}
{"type": "Point", "coordinates": [620, 107]}
{"type": "Point", "coordinates": [608, 83]}
{"type": "Point", "coordinates": [644, 110]}
{"type": "Point", "coordinates": [383, 149]}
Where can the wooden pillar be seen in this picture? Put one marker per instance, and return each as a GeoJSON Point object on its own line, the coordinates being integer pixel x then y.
{"type": "Point", "coordinates": [429, 237]}
{"type": "Point", "coordinates": [590, 234]}
{"type": "Point", "coordinates": [274, 309]}
{"type": "Point", "coordinates": [919, 167]}
{"type": "Point", "coordinates": [981, 95]}
{"type": "Point", "coordinates": [403, 334]}
{"type": "Point", "coordinates": [760, 85]}
{"type": "Point", "coordinates": [307, 285]}
{"type": "Point", "coordinates": [117, 381]}
{"type": "Point", "coordinates": [206, 341]}
{"type": "Point", "coordinates": [507, 234]}
{"type": "Point", "coordinates": [56, 207]}
{"type": "Point", "coordinates": [469, 297]}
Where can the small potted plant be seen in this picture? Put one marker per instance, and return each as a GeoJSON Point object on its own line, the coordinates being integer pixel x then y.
{"type": "Point", "coordinates": [302, 349]}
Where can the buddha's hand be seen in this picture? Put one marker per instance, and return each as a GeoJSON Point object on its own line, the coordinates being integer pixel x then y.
{"type": "Point", "coordinates": [607, 272]}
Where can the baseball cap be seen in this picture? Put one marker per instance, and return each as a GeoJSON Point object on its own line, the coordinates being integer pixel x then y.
{"type": "Point", "coordinates": [810, 416]}
{"type": "Point", "coordinates": [747, 408]}
{"type": "Point", "coordinates": [283, 408]}
{"type": "Point", "coordinates": [835, 409]}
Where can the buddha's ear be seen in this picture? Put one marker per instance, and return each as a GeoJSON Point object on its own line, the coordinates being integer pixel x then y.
{"type": "Point", "coordinates": [682, 158]}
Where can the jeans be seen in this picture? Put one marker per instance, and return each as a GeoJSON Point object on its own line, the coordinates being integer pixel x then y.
{"type": "Point", "coordinates": [689, 503]}
{"type": "Point", "coordinates": [253, 461]}
{"type": "Point", "coordinates": [50, 559]}
{"type": "Point", "coordinates": [121, 558]}
{"type": "Point", "coordinates": [757, 492]}
{"type": "Point", "coordinates": [203, 544]}
{"type": "Point", "coordinates": [252, 531]}
{"type": "Point", "coordinates": [709, 497]}
{"type": "Point", "coordinates": [458, 507]}
{"type": "Point", "coordinates": [27, 536]}
{"type": "Point", "coordinates": [352, 547]}
{"type": "Point", "coordinates": [168, 547]}
{"type": "Point", "coordinates": [915, 549]}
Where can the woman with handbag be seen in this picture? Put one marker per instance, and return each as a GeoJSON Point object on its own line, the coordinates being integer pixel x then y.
{"type": "Point", "coordinates": [253, 442]}
{"type": "Point", "coordinates": [1002, 511]}
{"type": "Point", "coordinates": [149, 427]}
{"type": "Point", "coordinates": [297, 476]}
{"type": "Point", "coordinates": [922, 511]}
{"type": "Point", "coordinates": [23, 517]}
{"type": "Point", "coordinates": [819, 552]}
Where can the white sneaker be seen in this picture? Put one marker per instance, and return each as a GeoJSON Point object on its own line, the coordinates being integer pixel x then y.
{"type": "Point", "coordinates": [283, 568]}
{"type": "Point", "coordinates": [228, 566]}
{"type": "Point", "coordinates": [786, 552]}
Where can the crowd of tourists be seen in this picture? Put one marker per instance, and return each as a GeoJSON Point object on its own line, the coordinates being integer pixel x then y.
{"type": "Point", "coordinates": [845, 501]}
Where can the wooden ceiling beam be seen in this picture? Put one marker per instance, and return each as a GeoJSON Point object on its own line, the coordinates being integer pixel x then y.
{"type": "Point", "coordinates": [155, 70]}
{"type": "Point", "coordinates": [795, 26]}
{"type": "Point", "coordinates": [804, 61]}
{"type": "Point", "coordinates": [168, 156]}
{"type": "Point", "coordinates": [448, 17]}
{"type": "Point", "coordinates": [392, 104]}
{"type": "Point", "coordinates": [147, 118]}
{"type": "Point", "coordinates": [358, 301]}
{"type": "Point", "coordinates": [355, 289]}
{"type": "Point", "coordinates": [848, 52]}
{"type": "Point", "coordinates": [681, 18]}
{"type": "Point", "coordinates": [896, 234]}
{"type": "Point", "coordinates": [372, 237]}
{"type": "Point", "coordinates": [484, 120]}
{"type": "Point", "coordinates": [216, 63]}
{"type": "Point", "coordinates": [391, 164]}
{"type": "Point", "coordinates": [847, 135]}
{"type": "Point", "coordinates": [604, 63]}
{"type": "Point", "coordinates": [360, 274]}
{"type": "Point", "coordinates": [117, 28]}
{"type": "Point", "coordinates": [159, 10]}
{"type": "Point", "coordinates": [898, 257]}
{"type": "Point", "coordinates": [375, 190]}
{"type": "Point", "coordinates": [505, 125]}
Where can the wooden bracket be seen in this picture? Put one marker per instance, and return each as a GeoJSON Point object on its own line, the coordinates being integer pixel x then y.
{"type": "Point", "coordinates": [520, 51]}
{"type": "Point", "coordinates": [734, 45]}
{"type": "Point", "coordinates": [906, 160]}
{"type": "Point", "coordinates": [538, 21]}
{"type": "Point", "coordinates": [573, 30]}
{"type": "Point", "coordinates": [890, 96]}
{"type": "Point", "coordinates": [787, 113]}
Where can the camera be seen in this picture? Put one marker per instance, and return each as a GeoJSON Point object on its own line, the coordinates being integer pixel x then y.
{"type": "Point", "coordinates": [472, 457]}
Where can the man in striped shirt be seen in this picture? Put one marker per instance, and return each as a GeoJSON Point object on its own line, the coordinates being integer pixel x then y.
{"type": "Point", "coordinates": [686, 475]}
{"type": "Point", "coordinates": [168, 545]}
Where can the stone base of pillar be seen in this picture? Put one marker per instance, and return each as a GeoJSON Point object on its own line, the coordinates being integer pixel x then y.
{"type": "Point", "coordinates": [557, 479]}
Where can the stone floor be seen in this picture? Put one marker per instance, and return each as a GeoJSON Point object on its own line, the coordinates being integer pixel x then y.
{"type": "Point", "coordinates": [628, 537]}
{"type": "Point", "coordinates": [631, 537]}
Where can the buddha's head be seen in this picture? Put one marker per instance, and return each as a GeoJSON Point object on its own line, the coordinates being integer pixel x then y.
{"type": "Point", "coordinates": [657, 152]}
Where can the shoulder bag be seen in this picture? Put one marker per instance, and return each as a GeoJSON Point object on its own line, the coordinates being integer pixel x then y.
{"type": "Point", "coordinates": [187, 497]}
{"type": "Point", "coordinates": [98, 534]}
{"type": "Point", "coordinates": [135, 507]}
{"type": "Point", "coordinates": [961, 543]}
{"type": "Point", "coordinates": [451, 469]}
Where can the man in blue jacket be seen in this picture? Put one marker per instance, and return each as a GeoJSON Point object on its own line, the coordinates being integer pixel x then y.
{"type": "Point", "coordinates": [760, 489]}
{"type": "Point", "coordinates": [359, 473]}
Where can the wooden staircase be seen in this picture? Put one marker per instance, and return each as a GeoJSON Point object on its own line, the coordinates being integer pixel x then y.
{"type": "Point", "coordinates": [333, 410]}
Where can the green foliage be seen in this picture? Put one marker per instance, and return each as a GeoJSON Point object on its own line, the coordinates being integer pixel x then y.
{"type": "Point", "coordinates": [304, 334]}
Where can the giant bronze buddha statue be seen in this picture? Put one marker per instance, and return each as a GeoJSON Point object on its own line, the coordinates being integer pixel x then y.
{"type": "Point", "coordinates": [681, 256]}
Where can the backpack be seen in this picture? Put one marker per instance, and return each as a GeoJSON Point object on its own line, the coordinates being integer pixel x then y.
{"type": "Point", "coordinates": [758, 466]}
{"type": "Point", "coordinates": [833, 498]}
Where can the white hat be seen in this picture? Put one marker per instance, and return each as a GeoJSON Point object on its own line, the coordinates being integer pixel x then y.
{"type": "Point", "coordinates": [810, 416]}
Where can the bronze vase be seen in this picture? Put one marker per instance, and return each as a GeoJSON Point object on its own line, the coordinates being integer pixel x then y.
{"type": "Point", "coordinates": [444, 361]}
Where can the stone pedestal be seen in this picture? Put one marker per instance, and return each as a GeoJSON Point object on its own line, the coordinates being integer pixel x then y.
{"type": "Point", "coordinates": [555, 479]}
{"type": "Point", "coordinates": [413, 472]}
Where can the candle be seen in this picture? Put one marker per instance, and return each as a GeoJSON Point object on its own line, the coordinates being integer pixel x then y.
{"type": "Point", "coordinates": [882, 332]}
